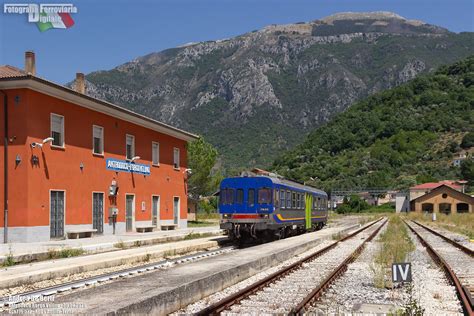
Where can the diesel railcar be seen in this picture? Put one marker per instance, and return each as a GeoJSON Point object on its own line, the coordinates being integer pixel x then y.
{"type": "Point", "coordinates": [265, 207]}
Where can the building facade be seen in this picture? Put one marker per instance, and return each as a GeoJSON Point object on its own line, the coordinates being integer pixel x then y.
{"type": "Point", "coordinates": [424, 188]}
{"type": "Point", "coordinates": [443, 199]}
{"type": "Point", "coordinates": [76, 163]}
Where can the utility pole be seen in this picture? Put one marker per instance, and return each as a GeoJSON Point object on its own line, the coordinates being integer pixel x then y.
{"type": "Point", "coordinates": [5, 168]}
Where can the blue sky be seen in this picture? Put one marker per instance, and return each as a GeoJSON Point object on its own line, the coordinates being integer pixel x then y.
{"type": "Point", "coordinates": [108, 33]}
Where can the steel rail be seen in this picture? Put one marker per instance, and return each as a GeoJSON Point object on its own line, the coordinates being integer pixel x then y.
{"type": "Point", "coordinates": [461, 291]}
{"type": "Point", "coordinates": [452, 242]}
{"type": "Point", "coordinates": [59, 288]}
{"type": "Point", "coordinates": [218, 307]}
{"type": "Point", "coordinates": [317, 292]}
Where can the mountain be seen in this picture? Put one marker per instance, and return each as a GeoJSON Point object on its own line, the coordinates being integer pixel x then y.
{"type": "Point", "coordinates": [256, 95]}
{"type": "Point", "coordinates": [393, 138]}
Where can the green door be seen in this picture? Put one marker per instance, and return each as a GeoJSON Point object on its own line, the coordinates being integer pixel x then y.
{"type": "Point", "coordinates": [308, 206]}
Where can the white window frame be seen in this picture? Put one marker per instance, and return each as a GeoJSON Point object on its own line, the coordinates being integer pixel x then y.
{"type": "Point", "coordinates": [101, 140]}
{"type": "Point", "coordinates": [176, 166]}
{"type": "Point", "coordinates": [63, 136]}
{"type": "Point", "coordinates": [153, 144]}
{"type": "Point", "coordinates": [133, 146]}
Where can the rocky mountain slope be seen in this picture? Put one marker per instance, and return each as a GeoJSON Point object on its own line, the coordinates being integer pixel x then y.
{"type": "Point", "coordinates": [258, 94]}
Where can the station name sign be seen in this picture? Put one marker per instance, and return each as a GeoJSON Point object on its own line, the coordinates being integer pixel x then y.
{"type": "Point", "coordinates": [127, 166]}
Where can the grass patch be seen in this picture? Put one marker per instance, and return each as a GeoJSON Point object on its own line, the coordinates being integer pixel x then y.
{"type": "Point", "coordinates": [367, 218]}
{"type": "Point", "coordinates": [120, 245]}
{"type": "Point", "coordinates": [395, 244]}
{"type": "Point", "coordinates": [146, 258]}
{"type": "Point", "coordinates": [65, 253]}
{"type": "Point", "coordinates": [169, 253]}
{"type": "Point", "coordinates": [192, 235]}
{"type": "Point", "coordinates": [384, 208]}
{"type": "Point", "coordinates": [333, 216]}
{"type": "Point", "coordinates": [9, 261]}
{"type": "Point", "coordinates": [203, 216]}
{"type": "Point", "coordinates": [202, 223]}
{"type": "Point", "coordinates": [458, 223]}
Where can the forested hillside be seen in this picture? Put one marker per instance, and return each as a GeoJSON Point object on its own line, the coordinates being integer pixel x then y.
{"type": "Point", "coordinates": [394, 138]}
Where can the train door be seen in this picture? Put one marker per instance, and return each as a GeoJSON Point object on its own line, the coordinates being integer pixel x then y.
{"type": "Point", "coordinates": [308, 209]}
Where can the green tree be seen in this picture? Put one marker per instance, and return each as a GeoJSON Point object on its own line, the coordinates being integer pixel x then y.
{"type": "Point", "coordinates": [205, 176]}
{"type": "Point", "coordinates": [468, 140]}
{"type": "Point", "coordinates": [467, 170]}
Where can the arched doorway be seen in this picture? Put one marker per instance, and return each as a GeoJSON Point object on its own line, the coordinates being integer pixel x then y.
{"type": "Point", "coordinates": [462, 208]}
{"type": "Point", "coordinates": [427, 207]}
{"type": "Point", "coordinates": [445, 208]}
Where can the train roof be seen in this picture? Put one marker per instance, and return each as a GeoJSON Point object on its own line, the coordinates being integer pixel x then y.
{"type": "Point", "coordinates": [286, 182]}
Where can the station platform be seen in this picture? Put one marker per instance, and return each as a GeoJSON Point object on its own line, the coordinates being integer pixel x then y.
{"type": "Point", "coordinates": [160, 293]}
{"type": "Point", "coordinates": [38, 251]}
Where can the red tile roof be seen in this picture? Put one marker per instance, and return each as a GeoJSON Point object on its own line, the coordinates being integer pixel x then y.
{"type": "Point", "coordinates": [433, 185]}
{"type": "Point", "coordinates": [7, 71]}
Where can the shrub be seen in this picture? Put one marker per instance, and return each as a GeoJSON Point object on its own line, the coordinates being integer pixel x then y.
{"type": "Point", "coordinates": [468, 141]}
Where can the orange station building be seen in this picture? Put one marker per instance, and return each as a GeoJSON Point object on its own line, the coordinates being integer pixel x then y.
{"type": "Point", "coordinates": [73, 164]}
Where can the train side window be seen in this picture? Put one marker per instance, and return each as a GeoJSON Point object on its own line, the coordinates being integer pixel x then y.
{"type": "Point", "coordinates": [276, 197]}
{"type": "Point", "coordinates": [222, 194]}
{"type": "Point", "coordinates": [282, 199]}
{"type": "Point", "coordinates": [229, 199]}
{"type": "Point", "coordinates": [288, 199]}
{"type": "Point", "coordinates": [251, 197]}
{"type": "Point", "coordinates": [299, 201]}
{"type": "Point", "coordinates": [264, 196]}
{"type": "Point", "coordinates": [293, 200]}
{"type": "Point", "coordinates": [240, 196]}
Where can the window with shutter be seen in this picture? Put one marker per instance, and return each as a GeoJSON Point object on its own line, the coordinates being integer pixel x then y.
{"type": "Point", "coordinates": [97, 140]}
{"type": "Point", "coordinates": [130, 147]}
{"type": "Point", "coordinates": [57, 130]}
{"type": "Point", "coordinates": [155, 153]}
{"type": "Point", "coordinates": [176, 158]}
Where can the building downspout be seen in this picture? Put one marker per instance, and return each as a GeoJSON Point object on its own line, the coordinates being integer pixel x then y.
{"type": "Point", "coordinates": [5, 169]}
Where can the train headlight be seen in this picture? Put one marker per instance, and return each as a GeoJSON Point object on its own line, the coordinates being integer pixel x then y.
{"type": "Point", "coordinates": [264, 216]}
{"type": "Point", "coordinates": [226, 216]}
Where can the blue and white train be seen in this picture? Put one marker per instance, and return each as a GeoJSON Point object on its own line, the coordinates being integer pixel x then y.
{"type": "Point", "coordinates": [265, 207]}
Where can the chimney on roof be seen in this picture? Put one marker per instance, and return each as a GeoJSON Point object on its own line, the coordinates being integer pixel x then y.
{"type": "Point", "coordinates": [80, 83]}
{"type": "Point", "coordinates": [30, 66]}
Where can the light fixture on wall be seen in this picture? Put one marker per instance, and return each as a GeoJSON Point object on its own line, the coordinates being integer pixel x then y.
{"type": "Point", "coordinates": [17, 160]}
{"type": "Point", "coordinates": [134, 158]}
{"type": "Point", "coordinates": [40, 145]}
{"type": "Point", "coordinates": [81, 166]}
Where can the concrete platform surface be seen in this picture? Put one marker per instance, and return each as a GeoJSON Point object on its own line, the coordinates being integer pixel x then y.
{"type": "Point", "coordinates": [45, 270]}
{"type": "Point", "coordinates": [27, 252]}
{"type": "Point", "coordinates": [159, 293]}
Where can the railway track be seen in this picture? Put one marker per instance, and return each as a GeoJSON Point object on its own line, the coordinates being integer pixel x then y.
{"type": "Point", "coordinates": [456, 260]}
{"type": "Point", "coordinates": [106, 277]}
{"type": "Point", "coordinates": [292, 289]}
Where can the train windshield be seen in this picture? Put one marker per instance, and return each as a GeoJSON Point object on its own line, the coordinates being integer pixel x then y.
{"type": "Point", "coordinates": [264, 196]}
{"type": "Point", "coordinates": [226, 196]}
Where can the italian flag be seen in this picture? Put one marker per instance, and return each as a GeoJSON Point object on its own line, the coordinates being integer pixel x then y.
{"type": "Point", "coordinates": [55, 21]}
